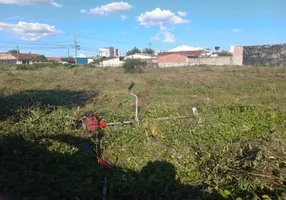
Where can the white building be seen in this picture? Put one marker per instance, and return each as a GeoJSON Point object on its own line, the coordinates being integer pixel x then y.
{"type": "Point", "coordinates": [185, 48]}
{"type": "Point", "coordinates": [104, 52]}
{"type": "Point", "coordinates": [231, 49]}
{"type": "Point", "coordinates": [114, 62]}
{"type": "Point", "coordinates": [141, 56]}
{"type": "Point", "coordinates": [109, 52]}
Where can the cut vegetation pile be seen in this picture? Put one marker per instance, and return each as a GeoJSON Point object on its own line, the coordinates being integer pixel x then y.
{"type": "Point", "coordinates": [235, 150]}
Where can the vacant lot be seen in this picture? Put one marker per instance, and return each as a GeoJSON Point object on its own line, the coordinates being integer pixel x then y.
{"type": "Point", "coordinates": [236, 149]}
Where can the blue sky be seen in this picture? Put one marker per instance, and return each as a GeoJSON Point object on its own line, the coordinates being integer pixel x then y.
{"type": "Point", "coordinates": [48, 26]}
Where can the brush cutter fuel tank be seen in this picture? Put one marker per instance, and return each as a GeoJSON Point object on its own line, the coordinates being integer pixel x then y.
{"type": "Point", "coordinates": [91, 123]}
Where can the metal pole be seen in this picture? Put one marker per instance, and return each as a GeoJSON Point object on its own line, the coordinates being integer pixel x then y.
{"type": "Point", "coordinates": [194, 115]}
{"type": "Point", "coordinates": [104, 190]}
{"type": "Point", "coordinates": [17, 54]}
{"type": "Point", "coordinates": [119, 123]}
{"type": "Point", "coordinates": [170, 118]}
{"type": "Point", "coordinates": [136, 107]}
{"type": "Point", "coordinates": [75, 49]}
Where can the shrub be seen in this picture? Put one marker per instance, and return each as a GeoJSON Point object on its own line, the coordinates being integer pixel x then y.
{"type": "Point", "coordinates": [224, 53]}
{"type": "Point", "coordinates": [134, 66]}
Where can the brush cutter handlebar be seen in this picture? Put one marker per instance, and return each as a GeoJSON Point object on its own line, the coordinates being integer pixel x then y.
{"type": "Point", "coordinates": [131, 86]}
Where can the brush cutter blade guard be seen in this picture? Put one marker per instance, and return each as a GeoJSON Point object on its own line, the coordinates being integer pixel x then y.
{"type": "Point", "coordinates": [104, 164]}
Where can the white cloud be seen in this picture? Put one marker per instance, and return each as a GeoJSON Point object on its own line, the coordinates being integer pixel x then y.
{"type": "Point", "coordinates": [160, 18]}
{"type": "Point", "coordinates": [165, 20]}
{"type": "Point", "coordinates": [29, 31]}
{"type": "Point", "coordinates": [123, 17]}
{"type": "Point", "coordinates": [32, 2]}
{"type": "Point", "coordinates": [182, 14]}
{"type": "Point", "coordinates": [108, 8]}
{"type": "Point", "coordinates": [165, 36]}
{"type": "Point", "coordinates": [237, 30]}
{"type": "Point", "coordinates": [168, 37]}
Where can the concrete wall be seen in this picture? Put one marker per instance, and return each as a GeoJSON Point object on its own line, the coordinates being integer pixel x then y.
{"type": "Point", "coordinates": [265, 55]}
{"type": "Point", "coordinates": [112, 63]}
{"type": "Point", "coordinates": [172, 60]}
{"type": "Point", "coordinates": [237, 57]}
{"type": "Point", "coordinates": [221, 60]}
{"type": "Point", "coordinates": [172, 64]}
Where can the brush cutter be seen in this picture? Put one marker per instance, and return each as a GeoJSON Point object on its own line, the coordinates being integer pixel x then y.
{"type": "Point", "coordinates": [90, 122]}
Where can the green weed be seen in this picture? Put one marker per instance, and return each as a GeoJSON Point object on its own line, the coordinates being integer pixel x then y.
{"type": "Point", "coordinates": [235, 150]}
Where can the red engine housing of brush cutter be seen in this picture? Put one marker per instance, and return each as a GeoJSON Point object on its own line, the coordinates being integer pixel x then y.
{"type": "Point", "coordinates": [91, 124]}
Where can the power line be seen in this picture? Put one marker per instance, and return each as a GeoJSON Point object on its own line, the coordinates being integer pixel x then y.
{"type": "Point", "coordinates": [88, 37]}
{"type": "Point", "coordinates": [39, 48]}
{"type": "Point", "coordinates": [65, 44]}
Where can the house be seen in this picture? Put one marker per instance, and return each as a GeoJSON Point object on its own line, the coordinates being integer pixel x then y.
{"type": "Point", "coordinates": [26, 58]}
{"type": "Point", "coordinates": [53, 59]}
{"type": "Point", "coordinates": [114, 62]}
{"type": "Point", "coordinates": [185, 48]}
{"type": "Point", "coordinates": [109, 52]}
{"type": "Point", "coordinates": [7, 58]}
{"type": "Point", "coordinates": [19, 58]}
{"type": "Point", "coordinates": [176, 59]}
{"type": "Point", "coordinates": [82, 59]}
{"type": "Point", "coordinates": [143, 56]}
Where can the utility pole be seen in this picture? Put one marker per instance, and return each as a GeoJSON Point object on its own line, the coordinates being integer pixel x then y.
{"type": "Point", "coordinates": [75, 49]}
{"type": "Point", "coordinates": [68, 52]}
{"type": "Point", "coordinates": [17, 53]}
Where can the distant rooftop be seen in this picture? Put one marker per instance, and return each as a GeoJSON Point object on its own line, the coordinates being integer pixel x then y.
{"type": "Point", "coordinates": [185, 48]}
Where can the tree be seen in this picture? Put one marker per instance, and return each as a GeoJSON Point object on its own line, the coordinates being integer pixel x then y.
{"type": "Point", "coordinates": [148, 51]}
{"type": "Point", "coordinates": [14, 51]}
{"type": "Point", "coordinates": [134, 65]}
{"type": "Point", "coordinates": [133, 51]}
{"type": "Point", "coordinates": [224, 53]}
{"type": "Point", "coordinates": [41, 58]}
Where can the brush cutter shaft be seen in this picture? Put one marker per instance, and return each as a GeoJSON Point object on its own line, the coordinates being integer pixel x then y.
{"type": "Point", "coordinates": [156, 119]}
{"type": "Point", "coordinates": [119, 123]}
{"type": "Point", "coordinates": [170, 118]}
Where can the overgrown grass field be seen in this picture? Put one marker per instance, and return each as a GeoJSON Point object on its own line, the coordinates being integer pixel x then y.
{"type": "Point", "coordinates": [234, 150]}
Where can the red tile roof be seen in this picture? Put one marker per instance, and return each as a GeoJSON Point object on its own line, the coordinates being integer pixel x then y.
{"type": "Point", "coordinates": [25, 56]}
{"type": "Point", "coordinates": [53, 59]}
